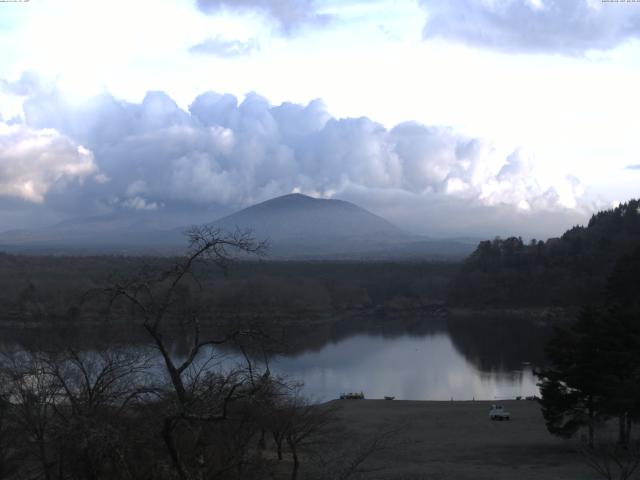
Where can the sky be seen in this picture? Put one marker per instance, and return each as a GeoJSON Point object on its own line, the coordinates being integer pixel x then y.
{"type": "Point", "coordinates": [466, 118]}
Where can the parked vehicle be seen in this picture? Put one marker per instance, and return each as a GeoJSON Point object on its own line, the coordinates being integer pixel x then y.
{"type": "Point", "coordinates": [498, 412]}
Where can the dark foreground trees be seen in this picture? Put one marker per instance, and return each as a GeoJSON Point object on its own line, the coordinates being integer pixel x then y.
{"type": "Point", "coordinates": [154, 413]}
{"type": "Point", "coordinates": [572, 389]}
{"type": "Point", "coordinates": [66, 413]}
{"type": "Point", "coordinates": [197, 397]}
{"type": "Point", "coordinates": [595, 363]}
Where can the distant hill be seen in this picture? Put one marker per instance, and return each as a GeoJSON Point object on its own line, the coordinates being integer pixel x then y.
{"type": "Point", "coordinates": [296, 227]}
{"type": "Point", "coordinates": [567, 271]}
{"type": "Point", "coordinates": [299, 226]}
{"type": "Point", "coordinates": [123, 232]}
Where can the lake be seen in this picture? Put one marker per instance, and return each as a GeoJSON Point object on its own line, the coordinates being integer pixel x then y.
{"type": "Point", "coordinates": [435, 361]}
{"type": "Point", "coordinates": [408, 367]}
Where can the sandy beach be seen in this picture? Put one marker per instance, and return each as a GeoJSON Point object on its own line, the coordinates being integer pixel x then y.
{"type": "Point", "coordinates": [457, 440]}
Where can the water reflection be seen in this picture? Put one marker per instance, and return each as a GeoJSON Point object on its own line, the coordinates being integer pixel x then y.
{"type": "Point", "coordinates": [433, 359]}
{"type": "Point", "coordinates": [408, 367]}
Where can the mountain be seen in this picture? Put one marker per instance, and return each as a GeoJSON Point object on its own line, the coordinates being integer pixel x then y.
{"type": "Point", "coordinates": [299, 218]}
{"type": "Point", "coordinates": [296, 227]}
{"type": "Point", "coordinates": [122, 232]}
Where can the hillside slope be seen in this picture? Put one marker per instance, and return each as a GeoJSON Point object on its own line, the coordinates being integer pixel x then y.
{"type": "Point", "coordinates": [298, 226]}
{"type": "Point", "coordinates": [570, 270]}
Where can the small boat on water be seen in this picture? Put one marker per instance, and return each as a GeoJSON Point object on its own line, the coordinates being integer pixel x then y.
{"type": "Point", "coordinates": [389, 398]}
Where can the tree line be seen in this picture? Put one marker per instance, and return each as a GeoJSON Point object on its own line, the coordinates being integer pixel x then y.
{"type": "Point", "coordinates": [47, 290]}
{"type": "Point", "coordinates": [567, 271]}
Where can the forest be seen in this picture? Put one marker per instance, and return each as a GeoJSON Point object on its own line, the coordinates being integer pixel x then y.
{"type": "Point", "coordinates": [567, 271]}
{"type": "Point", "coordinates": [49, 290]}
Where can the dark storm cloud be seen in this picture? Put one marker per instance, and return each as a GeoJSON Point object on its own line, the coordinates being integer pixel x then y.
{"type": "Point", "coordinates": [225, 48]}
{"type": "Point", "coordinates": [109, 155]}
{"type": "Point", "coordinates": [555, 26]}
{"type": "Point", "coordinates": [289, 15]}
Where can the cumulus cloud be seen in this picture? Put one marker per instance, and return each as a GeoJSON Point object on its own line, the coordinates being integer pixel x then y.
{"type": "Point", "coordinates": [28, 83]}
{"type": "Point", "coordinates": [560, 26]}
{"type": "Point", "coordinates": [222, 47]}
{"type": "Point", "coordinates": [288, 15]}
{"type": "Point", "coordinates": [633, 167]}
{"type": "Point", "coordinates": [155, 156]}
{"type": "Point", "coordinates": [32, 162]}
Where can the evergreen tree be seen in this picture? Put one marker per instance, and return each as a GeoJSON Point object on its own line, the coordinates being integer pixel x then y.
{"type": "Point", "coordinates": [622, 343]}
{"type": "Point", "coordinates": [570, 271]}
{"type": "Point", "coordinates": [594, 371]}
{"type": "Point", "coordinates": [571, 388]}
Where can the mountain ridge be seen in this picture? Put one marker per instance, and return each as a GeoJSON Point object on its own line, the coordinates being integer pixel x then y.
{"type": "Point", "coordinates": [296, 216]}
{"type": "Point", "coordinates": [296, 226]}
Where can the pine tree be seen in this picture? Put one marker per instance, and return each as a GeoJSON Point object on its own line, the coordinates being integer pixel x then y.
{"type": "Point", "coordinates": [571, 387]}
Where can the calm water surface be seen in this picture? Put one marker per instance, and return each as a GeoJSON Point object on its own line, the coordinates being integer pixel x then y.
{"type": "Point", "coordinates": [407, 367]}
{"type": "Point", "coordinates": [463, 361]}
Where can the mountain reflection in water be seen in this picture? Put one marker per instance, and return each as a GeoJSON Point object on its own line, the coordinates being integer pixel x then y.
{"type": "Point", "coordinates": [419, 360]}
{"type": "Point", "coordinates": [407, 367]}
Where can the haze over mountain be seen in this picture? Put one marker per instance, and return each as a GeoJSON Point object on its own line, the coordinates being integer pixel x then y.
{"type": "Point", "coordinates": [300, 218]}
{"type": "Point", "coordinates": [299, 226]}
{"type": "Point", "coordinates": [295, 226]}
{"type": "Point", "coordinates": [122, 231]}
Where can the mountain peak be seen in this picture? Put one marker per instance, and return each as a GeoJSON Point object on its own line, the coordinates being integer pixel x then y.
{"type": "Point", "coordinates": [302, 199]}
{"type": "Point", "coordinates": [291, 198]}
{"type": "Point", "coordinates": [301, 219]}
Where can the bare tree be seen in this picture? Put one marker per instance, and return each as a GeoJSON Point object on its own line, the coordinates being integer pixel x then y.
{"type": "Point", "coordinates": [298, 423]}
{"type": "Point", "coordinates": [348, 461]}
{"type": "Point", "coordinates": [612, 460]}
{"type": "Point", "coordinates": [350, 453]}
{"type": "Point", "coordinates": [95, 388]}
{"type": "Point", "coordinates": [201, 398]}
{"type": "Point", "coordinates": [94, 380]}
{"type": "Point", "coordinates": [33, 395]}
{"type": "Point", "coordinates": [8, 433]}
{"type": "Point", "coordinates": [66, 411]}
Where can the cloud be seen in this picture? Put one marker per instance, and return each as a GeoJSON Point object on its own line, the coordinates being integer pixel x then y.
{"type": "Point", "coordinates": [288, 15]}
{"type": "Point", "coordinates": [440, 215]}
{"type": "Point", "coordinates": [633, 167]}
{"type": "Point", "coordinates": [139, 203]}
{"type": "Point", "coordinates": [155, 156]}
{"type": "Point", "coordinates": [32, 162]}
{"type": "Point", "coordinates": [225, 48]}
{"type": "Point", "coordinates": [555, 26]}
{"type": "Point", "coordinates": [28, 83]}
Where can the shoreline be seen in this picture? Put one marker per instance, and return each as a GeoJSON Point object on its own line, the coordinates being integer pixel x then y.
{"type": "Point", "coordinates": [375, 316]}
